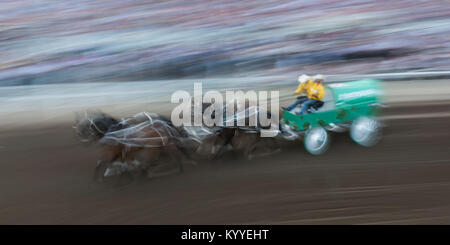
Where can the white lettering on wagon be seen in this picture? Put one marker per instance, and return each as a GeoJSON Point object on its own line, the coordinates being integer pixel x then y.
{"type": "Point", "coordinates": [357, 94]}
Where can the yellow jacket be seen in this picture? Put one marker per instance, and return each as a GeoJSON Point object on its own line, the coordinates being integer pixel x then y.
{"type": "Point", "coordinates": [302, 87]}
{"type": "Point", "coordinates": [313, 90]}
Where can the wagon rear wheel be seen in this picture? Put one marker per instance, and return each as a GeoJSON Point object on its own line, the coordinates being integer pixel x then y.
{"type": "Point", "coordinates": [317, 141]}
{"type": "Point", "coordinates": [366, 131]}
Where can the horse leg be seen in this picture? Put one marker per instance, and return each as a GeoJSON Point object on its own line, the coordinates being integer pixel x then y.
{"type": "Point", "coordinates": [223, 142]}
{"type": "Point", "coordinates": [185, 153]}
{"type": "Point", "coordinates": [109, 155]}
{"type": "Point", "coordinates": [274, 145]}
{"type": "Point", "coordinates": [135, 165]}
{"type": "Point", "coordinates": [270, 148]}
{"type": "Point", "coordinates": [162, 167]}
{"type": "Point", "coordinates": [216, 147]}
{"type": "Point", "coordinates": [206, 148]}
{"type": "Point", "coordinates": [239, 143]}
{"type": "Point", "coordinates": [99, 169]}
{"type": "Point", "coordinates": [176, 155]}
{"type": "Point", "coordinates": [250, 143]}
{"type": "Point", "coordinates": [146, 157]}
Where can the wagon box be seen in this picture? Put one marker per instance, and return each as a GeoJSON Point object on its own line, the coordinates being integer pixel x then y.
{"type": "Point", "coordinates": [343, 104]}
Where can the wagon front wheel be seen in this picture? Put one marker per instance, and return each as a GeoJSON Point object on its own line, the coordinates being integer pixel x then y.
{"type": "Point", "coordinates": [365, 131]}
{"type": "Point", "coordinates": [317, 140]}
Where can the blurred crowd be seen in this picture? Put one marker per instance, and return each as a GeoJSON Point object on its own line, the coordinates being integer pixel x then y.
{"type": "Point", "coordinates": [56, 41]}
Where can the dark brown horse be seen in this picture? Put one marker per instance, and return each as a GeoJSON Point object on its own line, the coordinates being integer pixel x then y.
{"type": "Point", "coordinates": [247, 140]}
{"type": "Point", "coordinates": [137, 141]}
{"type": "Point", "coordinates": [212, 142]}
{"type": "Point", "coordinates": [205, 142]}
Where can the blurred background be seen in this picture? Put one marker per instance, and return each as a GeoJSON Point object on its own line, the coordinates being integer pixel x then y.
{"type": "Point", "coordinates": [128, 56]}
{"type": "Point", "coordinates": [84, 41]}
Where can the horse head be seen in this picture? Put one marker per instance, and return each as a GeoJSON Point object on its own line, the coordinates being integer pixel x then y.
{"type": "Point", "coordinates": [92, 126]}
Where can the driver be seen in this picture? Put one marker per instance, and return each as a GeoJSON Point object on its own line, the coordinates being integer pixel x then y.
{"type": "Point", "coordinates": [305, 82]}
{"type": "Point", "coordinates": [315, 92]}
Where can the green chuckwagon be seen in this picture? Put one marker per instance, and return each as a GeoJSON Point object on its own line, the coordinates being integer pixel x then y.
{"type": "Point", "coordinates": [352, 106]}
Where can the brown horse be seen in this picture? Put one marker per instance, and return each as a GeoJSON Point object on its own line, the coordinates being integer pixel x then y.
{"type": "Point", "coordinates": [137, 141]}
{"type": "Point", "coordinates": [212, 142]}
{"type": "Point", "coordinates": [247, 140]}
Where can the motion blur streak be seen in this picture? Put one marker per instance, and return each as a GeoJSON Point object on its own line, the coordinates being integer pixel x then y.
{"type": "Point", "coordinates": [78, 41]}
{"type": "Point", "coordinates": [125, 57]}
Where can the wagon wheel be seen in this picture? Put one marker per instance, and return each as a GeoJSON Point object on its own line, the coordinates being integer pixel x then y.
{"type": "Point", "coordinates": [366, 131]}
{"type": "Point", "coordinates": [317, 140]}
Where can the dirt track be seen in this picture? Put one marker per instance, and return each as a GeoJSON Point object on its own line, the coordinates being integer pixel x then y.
{"type": "Point", "coordinates": [44, 179]}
